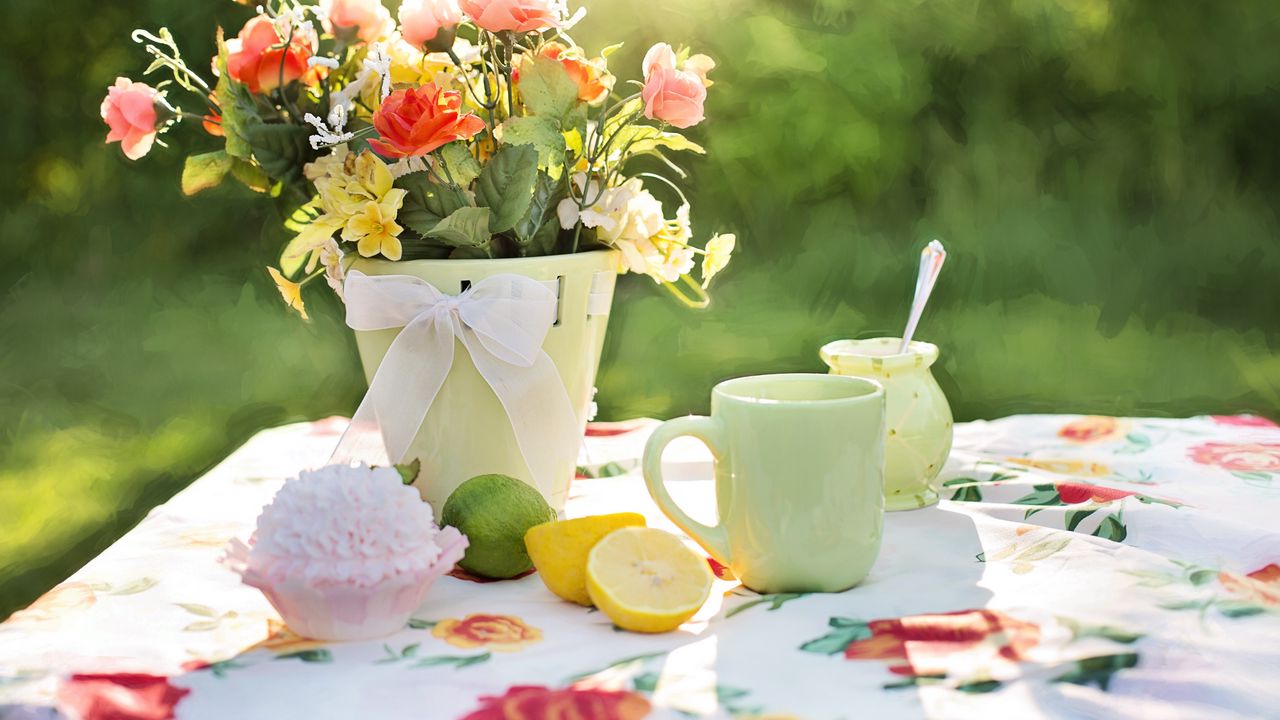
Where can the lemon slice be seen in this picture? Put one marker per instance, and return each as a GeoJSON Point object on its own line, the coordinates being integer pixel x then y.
{"type": "Point", "coordinates": [646, 580]}
{"type": "Point", "coordinates": [559, 550]}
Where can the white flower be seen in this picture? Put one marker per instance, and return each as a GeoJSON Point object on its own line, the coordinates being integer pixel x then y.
{"type": "Point", "coordinates": [627, 211]}
{"type": "Point", "coordinates": [405, 166]}
{"type": "Point", "coordinates": [378, 62]}
{"type": "Point", "coordinates": [326, 136]}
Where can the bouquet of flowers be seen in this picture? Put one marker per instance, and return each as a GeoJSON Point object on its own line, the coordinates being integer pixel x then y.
{"type": "Point", "coordinates": [467, 129]}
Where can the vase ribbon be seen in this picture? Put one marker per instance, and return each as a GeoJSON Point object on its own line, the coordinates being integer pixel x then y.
{"type": "Point", "coordinates": [501, 321]}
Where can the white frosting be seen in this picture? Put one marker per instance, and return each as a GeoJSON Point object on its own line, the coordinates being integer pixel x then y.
{"type": "Point", "coordinates": [350, 525]}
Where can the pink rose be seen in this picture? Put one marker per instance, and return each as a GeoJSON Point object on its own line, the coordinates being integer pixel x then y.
{"type": "Point", "coordinates": [422, 20]}
{"type": "Point", "coordinates": [129, 109]}
{"type": "Point", "coordinates": [672, 93]}
{"type": "Point", "coordinates": [368, 20]}
{"type": "Point", "coordinates": [517, 15]}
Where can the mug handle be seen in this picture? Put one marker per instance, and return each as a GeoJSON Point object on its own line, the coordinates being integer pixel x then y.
{"type": "Point", "coordinates": [715, 539]}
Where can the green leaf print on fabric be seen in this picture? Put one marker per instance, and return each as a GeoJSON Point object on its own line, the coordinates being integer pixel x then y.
{"type": "Point", "coordinates": [1098, 670]}
{"type": "Point", "coordinates": [844, 631]}
{"type": "Point", "coordinates": [319, 655]}
{"type": "Point", "coordinates": [1111, 529]}
{"type": "Point", "coordinates": [775, 601]}
{"type": "Point", "coordinates": [457, 661]}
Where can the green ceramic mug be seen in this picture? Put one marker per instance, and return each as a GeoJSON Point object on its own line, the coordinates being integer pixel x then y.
{"type": "Point", "coordinates": [799, 466]}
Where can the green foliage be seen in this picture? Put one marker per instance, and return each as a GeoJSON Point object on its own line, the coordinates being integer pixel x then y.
{"type": "Point", "coordinates": [548, 90]}
{"type": "Point", "coordinates": [464, 227]}
{"type": "Point", "coordinates": [206, 170]}
{"type": "Point", "coordinates": [542, 133]}
{"type": "Point", "coordinates": [506, 185]}
{"type": "Point", "coordinates": [461, 164]}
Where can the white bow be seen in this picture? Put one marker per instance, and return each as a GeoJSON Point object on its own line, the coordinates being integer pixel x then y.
{"type": "Point", "coordinates": [502, 322]}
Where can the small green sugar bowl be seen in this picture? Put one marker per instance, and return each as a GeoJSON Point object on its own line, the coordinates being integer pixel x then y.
{"type": "Point", "coordinates": [918, 417]}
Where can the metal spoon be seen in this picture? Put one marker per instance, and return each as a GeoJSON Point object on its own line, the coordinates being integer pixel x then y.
{"type": "Point", "coordinates": [931, 259]}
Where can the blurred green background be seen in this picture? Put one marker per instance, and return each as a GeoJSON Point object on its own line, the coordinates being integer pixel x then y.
{"type": "Point", "coordinates": [1105, 175]}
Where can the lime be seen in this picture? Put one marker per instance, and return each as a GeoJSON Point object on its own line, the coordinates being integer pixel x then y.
{"type": "Point", "coordinates": [494, 512]}
{"type": "Point", "coordinates": [559, 550]}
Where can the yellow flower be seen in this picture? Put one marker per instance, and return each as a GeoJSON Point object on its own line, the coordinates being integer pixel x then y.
{"type": "Point", "coordinates": [283, 641]}
{"type": "Point", "coordinates": [374, 231]}
{"type": "Point", "coordinates": [502, 633]}
{"type": "Point", "coordinates": [718, 250]}
{"type": "Point", "coordinates": [290, 291]}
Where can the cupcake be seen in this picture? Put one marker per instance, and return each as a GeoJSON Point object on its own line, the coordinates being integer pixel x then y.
{"type": "Point", "coordinates": [346, 552]}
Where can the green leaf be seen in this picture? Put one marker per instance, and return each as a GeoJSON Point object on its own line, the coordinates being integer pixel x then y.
{"type": "Point", "coordinates": [319, 655]}
{"type": "Point", "coordinates": [642, 139]}
{"type": "Point", "coordinates": [457, 661]}
{"type": "Point", "coordinates": [1042, 550]}
{"type": "Point", "coordinates": [1202, 577]}
{"type": "Point", "coordinates": [250, 175]}
{"type": "Point", "coordinates": [201, 610]}
{"type": "Point", "coordinates": [645, 682]}
{"type": "Point", "coordinates": [203, 625]}
{"type": "Point", "coordinates": [464, 227]}
{"type": "Point", "coordinates": [135, 587]}
{"type": "Point", "coordinates": [541, 210]}
{"type": "Point", "coordinates": [462, 165]}
{"type": "Point", "coordinates": [541, 133]}
{"type": "Point", "coordinates": [1098, 670]}
{"type": "Point", "coordinates": [610, 49]}
{"type": "Point", "coordinates": [1044, 495]}
{"type": "Point", "coordinates": [409, 471]}
{"type": "Point", "coordinates": [968, 493]}
{"type": "Point", "coordinates": [1111, 529]}
{"type": "Point", "coordinates": [280, 149]}
{"type": "Point", "coordinates": [547, 89]}
{"type": "Point", "coordinates": [506, 185]}
{"type": "Point", "coordinates": [236, 105]}
{"type": "Point", "coordinates": [1238, 609]}
{"type": "Point", "coordinates": [426, 202]}
{"type": "Point", "coordinates": [1185, 605]}
{"type": "Point", "coordinates": [1075, 517]}
{"type": "Point", "coordinates": [410, 650]}
{"type": "Point", "coordinates": [419, 624]}
{"type": "Point", "coordinates": [845, 631]}
{"type": "Point", "coordinates": [201, 172]}
{"type": "Point", "coordinates": [979, 686]}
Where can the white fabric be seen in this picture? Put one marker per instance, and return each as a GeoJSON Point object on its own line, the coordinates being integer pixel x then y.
{"type": "Point", "coordinates": [501, 321]}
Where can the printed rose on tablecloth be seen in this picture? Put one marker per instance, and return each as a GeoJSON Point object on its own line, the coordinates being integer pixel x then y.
{"type": "Point", "coordinates": [1241, 457]}
{"type": "Point", "coordinates": [533, 702]}
{"type": "Point", "coordinates": [1243, 421]}
{"type": "Point", "coordinates": [929, 644]}
{"type": "Point", "coordinates": [124, 696]}
{"type": "Point", "coordinates": [1262, 586]}
{"type": "Point", "coordinates": [503, 633]}
{"type": "Point", "coordinates": [1091, 429]}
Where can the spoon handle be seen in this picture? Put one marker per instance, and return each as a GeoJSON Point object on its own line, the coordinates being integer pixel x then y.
{"type": "Point", "coordinates": [931, 259]}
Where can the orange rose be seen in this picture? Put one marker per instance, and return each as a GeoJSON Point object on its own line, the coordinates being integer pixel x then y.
{"type": "Point", "coordinates": [415, 121]}
{"type": "Point", "coordinates": [922, 644]}
{"type": "Point", "coordinates": [1094, 428]}
{"type": "Point", "coordinates": [532, 702]}
{"type": "Point", "coordinates": [503, 633]}
{"type": "Point", "coordinates": [1244, 457]}
{"type": "Point", "coordinates": [258, 58]}
{"type": "Point", "coordinates": [1261, 586]}
{"type": "Point", "coordinates": [593, 80]}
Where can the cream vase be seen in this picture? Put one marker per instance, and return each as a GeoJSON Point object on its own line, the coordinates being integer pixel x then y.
{"type": "Point", "coordinates": [466, 431]}
{"type": "Point", "coordinates": [918, 416]}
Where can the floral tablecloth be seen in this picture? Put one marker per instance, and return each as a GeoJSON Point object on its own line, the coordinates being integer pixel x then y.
{"type": "Point", "coordinates": [1078, 567]}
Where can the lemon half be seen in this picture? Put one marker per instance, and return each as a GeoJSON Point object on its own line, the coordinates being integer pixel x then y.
{"type": "Point", "coordinates": [646, 580]}
{"type": "Point", "coordinates": [559, 550]}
